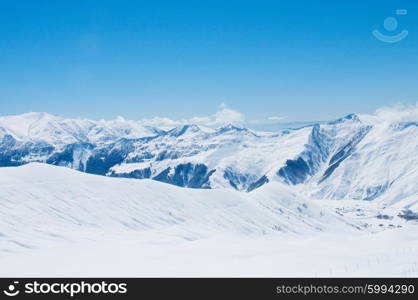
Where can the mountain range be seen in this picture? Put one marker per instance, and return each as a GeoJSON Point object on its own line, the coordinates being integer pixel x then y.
{"type": "Point", "coordinates": [355, 157]}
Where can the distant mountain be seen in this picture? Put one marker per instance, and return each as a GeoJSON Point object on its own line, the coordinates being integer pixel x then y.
{"type": "Point", "coordinates": [355, 157]}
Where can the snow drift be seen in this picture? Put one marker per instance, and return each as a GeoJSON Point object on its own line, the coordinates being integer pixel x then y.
{"type": "Point", "coordinates": [40, 202]}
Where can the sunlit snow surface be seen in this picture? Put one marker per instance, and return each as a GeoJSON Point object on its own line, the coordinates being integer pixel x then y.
{"type": "Point", "coordinates": [56, 221]}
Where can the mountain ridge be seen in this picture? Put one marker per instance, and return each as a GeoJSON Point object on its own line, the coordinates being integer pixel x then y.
{"type": "Point", "coordinates": [321, 159]}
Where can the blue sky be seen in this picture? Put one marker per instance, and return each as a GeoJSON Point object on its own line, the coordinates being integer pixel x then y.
{"type": "Point", "coordinates": [305, 60]}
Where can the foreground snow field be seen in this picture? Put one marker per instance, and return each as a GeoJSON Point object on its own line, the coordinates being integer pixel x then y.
{"type": "Point", "coordinates": [391, 253]}
{"type": "Point", "coordinates": [56, 221]}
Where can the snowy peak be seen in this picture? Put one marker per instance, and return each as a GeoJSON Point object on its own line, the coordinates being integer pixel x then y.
{"type": "Point", "coordinates": [328, 144]}
{"type": "Point", "coordinates": [183, 130]}
{"type": "Point", "coordinates": [60, 131]}
{"type": "Point", "coordinates": [347, 118]}
{"type": "Point", "coordinates": [378, 164]}
{"type": "Point", "coordinates": [232, 129]}
{"type": "Point", "coordinates": [20, 126]}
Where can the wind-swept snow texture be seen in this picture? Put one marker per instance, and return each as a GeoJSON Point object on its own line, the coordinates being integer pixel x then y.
{"type": "Point", "coordinates": [42, 202]}
{"type": "Point", "coordinates": [59, 222]}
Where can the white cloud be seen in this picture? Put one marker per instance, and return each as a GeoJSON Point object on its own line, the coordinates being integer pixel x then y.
{"type": "Point", "coordinates": [226, 115]}
{"type": "Point", "coordinates": [222, 117]}
{"type": "Point", "coordinates": [398, 113]}
{"type": "Point", "coordinates": [392, 114]}
{"type": "Point", "coordinates": [269, 120]}
{"type": "Point", "coordinates": [160, 122]}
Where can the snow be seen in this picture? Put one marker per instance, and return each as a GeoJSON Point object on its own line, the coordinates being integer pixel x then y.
{"type": "Point", "coordinates": [391, 253]}
{"type": "Point", "coordinates": [384, 167]}
{"type": "Point", "coordinates": [333, 202]}
{"type": "Point", "coordinates": [56, 221]}
{"type": "Point", "coordinates": [57, 130]}
{"type": "Point", "coordinates": [242, 151]}
{"type": "Point", "coordinates": [40, 201]}
{"type": "Point", "coordinates": [362, 157]}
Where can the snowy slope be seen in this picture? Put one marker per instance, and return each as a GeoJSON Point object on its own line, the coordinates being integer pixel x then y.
{"type": "Point", "coordinates": [41, 203]}
{"type": "Point", "coordinates": [382, 166]}
{"type": "Point", "coordinates": [55, 221]}
{"type": "Point", "coordinates": [234, 157]}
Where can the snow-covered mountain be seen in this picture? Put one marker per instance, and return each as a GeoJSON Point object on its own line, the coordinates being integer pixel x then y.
{"type": "Point", "coordinates": [355, 157]}
{"type": "Point", "coordinates": [43, 203]}
{"type": "Point", "coordinates": [382, 165]}
{"type": "Point", "coordinates": [54, 130]}
{"type": "Point", "coordinates": [55, 221]}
